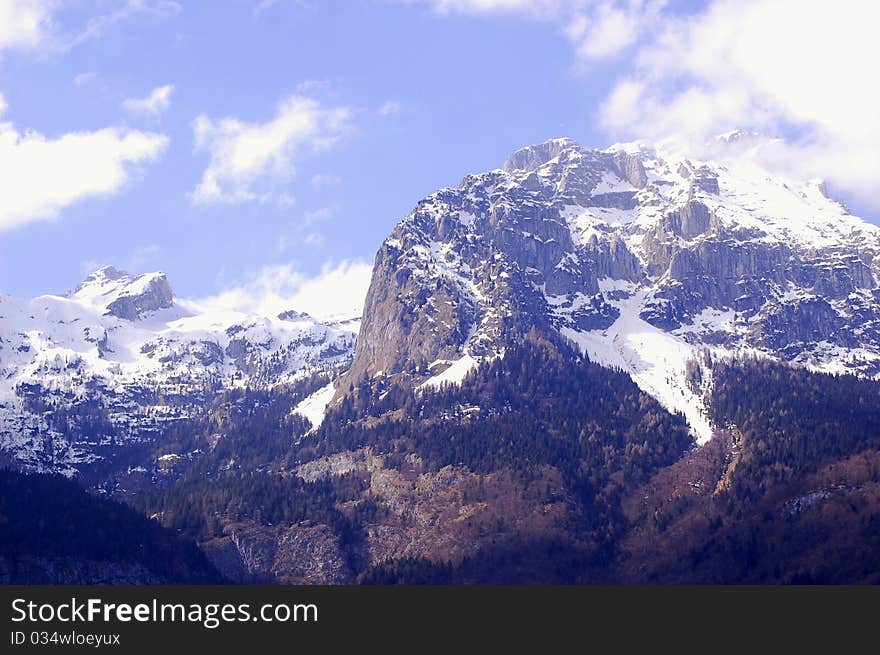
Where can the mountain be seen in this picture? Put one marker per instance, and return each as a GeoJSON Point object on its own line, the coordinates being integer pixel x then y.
{"type": "Point", "coordinates": [647, 259]}
{"type": "Point", "coordinates": [118, 358]}
{"type": "Point", "coordinates": [589, 365]}
{"type": "Point", "coordinates": [643, 257]}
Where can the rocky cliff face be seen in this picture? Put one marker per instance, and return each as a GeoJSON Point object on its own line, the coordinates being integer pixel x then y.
{"type": "Point", "coordinates": [304, 553]}
{"type": "Point", "coordinates": [641, 256]}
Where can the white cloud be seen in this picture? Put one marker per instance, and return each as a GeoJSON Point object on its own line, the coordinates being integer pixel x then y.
{"type": "Point", "coordinates": [295, 235]}
{"type": "Point", "coordinates": [778, 66]}
{"type": "Point", "coordinates": [337, 292]}
{"type": "Point", "coordinates": [153, 106]}
{"type": "Point", "coordinates": [389, 108]}
{"type": "Point", "coordinates": [603, 29]}
{"type": "Point", "coordinates": [34, 24]}
{"type": "Point", "coordinates": [41, 176]}
{"type": "Point", "coordinates": [318, 215]}
{"type": "Point", "coordinates": [89, 266]}
{"type": "Point", "coordinates": [84, 79]}
{"type": "Point", "coordinates": [597, 29]}
{"type": "Point", "coordinates": [24, 23]}
{"type": "Point", "coordinates": [542, 8]}
{"type": "Point", "coordinates": [123, 10]}
{"type": "Point", "coordinates": [804, 70]}
{"type": "Point", "coordinates": [263, 5]}
{"type": "Point", "coordinates": [252, 161]}
{"type": "Point", "coordinates": [314, 239]}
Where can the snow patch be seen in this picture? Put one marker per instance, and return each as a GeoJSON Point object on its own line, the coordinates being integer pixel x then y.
{"type": "Point", "coordinates": [314, 406]}
{"type": "Point", "coordinates": [466, 218]}
{"type": "Point", "coordinates": [453, 374]}
{"type": "Point", "coordinates": [653, 358]}
{"type": "Point", "coordinates": [610, 183]}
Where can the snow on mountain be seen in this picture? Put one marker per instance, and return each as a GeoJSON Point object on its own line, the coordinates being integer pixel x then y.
{"type": "Point", "coordinates": [644, 257]}
{"type": "Point", "coordinates": [110, 291]}
{"type": "Point", "coordinates": [123, 347]}
{"type": "Point", "coordinates": [314, 406]}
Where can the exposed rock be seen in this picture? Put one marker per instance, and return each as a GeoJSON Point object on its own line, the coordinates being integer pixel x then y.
{"type": "Point", "coordinates": [304, 553]}
{"type": "Point", "coordinates": [531, 157]}
{"type": "Point", "coordinates": [310, 554]}
{"type": "Point", "coordinates": [807, 321]}
{"type": "Point", "coordinates": [341, 463]}
{"type": "Point", "coordinates": [155, 294]}
{"type": "Point", "coordinates": [631, 168]}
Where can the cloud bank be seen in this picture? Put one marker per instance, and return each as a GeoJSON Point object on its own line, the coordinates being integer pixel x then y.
{"type": "Point", "coordinates": [337, 292]}
{"type": "Point", "coordinates": [596, 29]}
{"type": "Point", "coordinates": [800, 70]}
{"type": "Point", "coordinates": [153, 106]}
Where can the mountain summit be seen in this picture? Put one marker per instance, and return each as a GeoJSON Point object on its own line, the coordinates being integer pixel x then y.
{"type": "Point", "coordinates": [644, 258]}
{"type": "Point", "coordinates": [123, 295]}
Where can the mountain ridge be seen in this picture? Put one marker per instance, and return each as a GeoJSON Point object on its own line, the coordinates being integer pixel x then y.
{"type": "Point", "coordinates": [123, 349]}
{"type": "Point", "coordinates": [647, 260]}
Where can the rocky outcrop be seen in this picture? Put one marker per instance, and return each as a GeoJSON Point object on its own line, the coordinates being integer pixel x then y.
{"type": "Point", "coordinates": [154, 295]}
{"type": "Point", "coordinates": [304, 553]}
{"type": "Point", "coordinates": [123, 295]}
{"type": "Point", "coordinates": [631, 168]}
{"type": "Point", "coordinates": [442, 515]}
{"type": "Point", "coordinates": [788, 328]}
{"type": "Point", "coordinates": [532, 157]}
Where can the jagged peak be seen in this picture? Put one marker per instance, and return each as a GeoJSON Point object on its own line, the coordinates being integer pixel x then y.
{"type": "Point", "coordinates": [639, 146]}
{"type": "Point", "coordinates": [121, 294]}
{"type": "Point", "coordinates": [740, 136]}
{"type": "Point", "coordinates": [531, 157]}
{"type": "Point", "coordinates": [100, 277]}
{"type": "Point", "coordinates": [293, 315]}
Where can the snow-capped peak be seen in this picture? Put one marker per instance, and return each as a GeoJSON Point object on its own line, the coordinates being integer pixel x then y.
{"type": "Point", "coordinates": [115, 292]}
{"type": "Point", "coordinates": [645, 255]}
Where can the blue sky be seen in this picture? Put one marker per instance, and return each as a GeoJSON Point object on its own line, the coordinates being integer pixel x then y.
{"type": "Point", "coordinates": [321, 124]}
